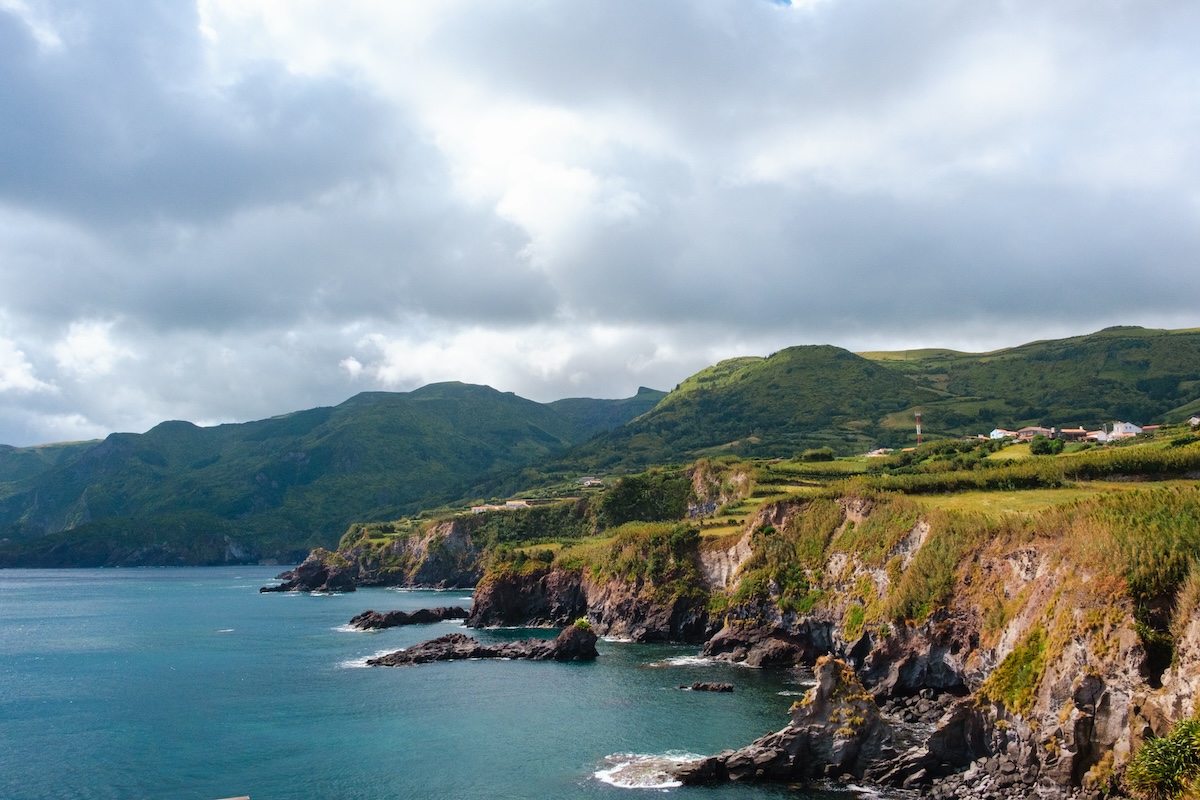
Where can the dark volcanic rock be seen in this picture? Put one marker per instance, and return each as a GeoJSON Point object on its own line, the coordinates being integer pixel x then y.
{"type": "Point", "coordinates": [373, 620]}
{"type": "Point", "coordinates": [708, 686]}
{"type": "Point", "coordinates": [767, 645]}
{"type": "Point", "coordinates": [316, 574]}
{"type": "Point", "coordinates": [545, 596]}
{"type": "Point", "coordinates": [573, 644]}
{"type": "Point", "coordinates": [835, 731]}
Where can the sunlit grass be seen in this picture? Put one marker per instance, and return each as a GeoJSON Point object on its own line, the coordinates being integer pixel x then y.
{"type": "Point", "coordinates": [1011, 453]}
{"type": "Point", "coordinates": [1031, 501]}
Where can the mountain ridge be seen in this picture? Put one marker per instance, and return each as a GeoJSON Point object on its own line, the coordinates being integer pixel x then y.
{"type": "Point", "coordinates": [276, 488]}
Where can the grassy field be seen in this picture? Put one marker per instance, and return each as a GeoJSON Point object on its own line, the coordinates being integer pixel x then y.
{"type": "Point", "coordinates": [1011, 453]}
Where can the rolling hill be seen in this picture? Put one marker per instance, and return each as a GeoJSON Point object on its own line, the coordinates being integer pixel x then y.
{"type": "Point", "coordinates": [278, 487]}
{"type": "Point", "coordinates": [1123, 373]}
{"type": "Point", "coordinates": [798, 398]}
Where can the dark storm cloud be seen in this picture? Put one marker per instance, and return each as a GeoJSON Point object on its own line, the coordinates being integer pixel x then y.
{"type": "Point", "coordinates": [119, 121]}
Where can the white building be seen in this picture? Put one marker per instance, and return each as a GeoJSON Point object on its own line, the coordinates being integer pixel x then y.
{"type": "Point", "coordinates": [1123, 430]}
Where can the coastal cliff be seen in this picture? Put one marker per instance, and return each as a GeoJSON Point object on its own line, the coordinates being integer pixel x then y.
{"type": "Point", "coordinates": [1004, 653]}
{"type": "Point", "coordinates": [647, 585]}
{"type": "Point", "coordinates": [1042, 650]}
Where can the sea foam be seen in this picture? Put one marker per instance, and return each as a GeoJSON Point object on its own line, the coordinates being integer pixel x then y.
{"type": "Point", "coordinates": [641, 770]}
{"type": "Point", "coordinates": [360, 663]}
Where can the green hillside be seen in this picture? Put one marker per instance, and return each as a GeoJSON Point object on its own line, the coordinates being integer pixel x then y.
{"type": "Point", "coordinates": [281, 486]}
{"type": "Point", "coordinates": [596, 416]}
{"type": "Point", "coordinates": [798, 398]}
{"type": "Point", "coordinates": [22, 463]}
{"type": "Point", "coordinates": [1125, 373]}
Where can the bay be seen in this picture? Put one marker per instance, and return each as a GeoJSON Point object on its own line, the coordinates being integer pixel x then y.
{"type": "Point", "coordinates": [188, 683]}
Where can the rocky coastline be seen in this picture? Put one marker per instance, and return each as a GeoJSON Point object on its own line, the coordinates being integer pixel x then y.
{"type": "Point", "coordinates": [934, 704]}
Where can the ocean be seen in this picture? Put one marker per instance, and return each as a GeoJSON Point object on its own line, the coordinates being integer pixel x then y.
{"type": "Point", "coordinates": [188, 683]}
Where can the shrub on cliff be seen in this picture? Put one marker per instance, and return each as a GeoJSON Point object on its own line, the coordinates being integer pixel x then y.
{"type": "Point", "coordinates": [1167, 768]}
{"type": "Point", "coordinates": [663, 558]}
{"type": "Point", "coordinates": [1015, 681]}
{"type": "Point", "coordinates": [650, 497]}
{"type": "Point", "coordinates": [785, 560]}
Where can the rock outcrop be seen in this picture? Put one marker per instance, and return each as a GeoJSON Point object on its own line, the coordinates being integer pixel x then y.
{"type": "Point", "coordinates": [835, 730]}
{"type": "Point", "coordinates": [709, 686]}
{"type": "Point", "coordinates": [552, 597]}
{"type": "Point", "coordinates": [442, 556]}
{"type": "Point", "coordinates": [374, 620]}
{"type": "Point", "coordinates": [575, 643]}
{"type": "Point", "coordinates": [322, 571]}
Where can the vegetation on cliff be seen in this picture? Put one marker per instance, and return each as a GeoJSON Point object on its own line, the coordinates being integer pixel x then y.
{"type": "Point", "coordinates": [1167, 768]}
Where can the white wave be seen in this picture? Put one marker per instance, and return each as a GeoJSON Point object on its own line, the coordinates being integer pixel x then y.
{"type": "Point", "coordinates": [788, 693]}
{"type": "Point", "coordinates": [699, 661]}
{"type": "Point", "coordinates": [617, 639]}
{"type": "Point", "coordinates": [684, 661]}
{"type": "Point", "coordinates": [347, 628]}
{"type": "Point", "coordinates": [360, 663]}
{"type": "Point", "coordinates": [225, 630]}
{"type": "Point", "coordinates": [641, 770]}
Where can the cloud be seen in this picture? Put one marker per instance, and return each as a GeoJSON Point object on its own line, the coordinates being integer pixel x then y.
{"type": "Point", "coordinates": [16, 373]}
{"type": "Point", "coordinates": [88, 350]}
{"type": "Point", "coordinates": [122, 121]}
{"type": "Point", "coordinates": [229, 210]}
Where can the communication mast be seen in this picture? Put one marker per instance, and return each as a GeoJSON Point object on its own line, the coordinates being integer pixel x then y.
{"type": "Point", "coordinates": [918, 415]}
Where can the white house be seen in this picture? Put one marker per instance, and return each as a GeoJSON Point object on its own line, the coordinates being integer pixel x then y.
{"type": "Point", "coordinates": [1000, 433]}
{"type": "Point", "coordinates": [1123, 430]}
{"type": "Point", "coordinates": [1194, 422]}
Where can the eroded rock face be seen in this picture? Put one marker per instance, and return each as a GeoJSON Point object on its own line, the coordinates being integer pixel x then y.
{"type": "Point", "coordinates": [836, 730]}
{"type": "Point", "coordinates": [374, 620]}
{"type": "Point", "coordinates": [552, 597]}
{"type": "Point", "coordinates": [762, 644]}
{"type": "Point", "coordinates": [573, 644]}
{"type": "Point", "coordinates": [544, 597]}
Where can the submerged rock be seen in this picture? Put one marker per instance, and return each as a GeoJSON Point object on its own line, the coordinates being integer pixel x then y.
{"type": "Point", "coordinates": [709, 686]}
{"type": "Point", "coordinates": [575, 643]}
{"type": "Point", "coordinates": [374, 620]}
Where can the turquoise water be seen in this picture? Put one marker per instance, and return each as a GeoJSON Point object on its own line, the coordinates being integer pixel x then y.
{"type": "Point", "coordinates": [187, 683]}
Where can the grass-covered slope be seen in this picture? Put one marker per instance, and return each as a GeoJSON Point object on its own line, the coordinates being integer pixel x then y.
{"type": "Point", "coordinates": [22, 463]}
{"type": "Point", "coordinates": [1125, 373]}
{"type": "Point", "coordinates": [798, 398]}
{"type": "Point", "coordinates": [283, 485]}
{"type": "Point", "coordinates": [590, 417]}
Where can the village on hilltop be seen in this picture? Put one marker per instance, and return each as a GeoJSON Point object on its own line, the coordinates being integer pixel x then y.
{"type": "Point", "coordinates": [1114, 433]}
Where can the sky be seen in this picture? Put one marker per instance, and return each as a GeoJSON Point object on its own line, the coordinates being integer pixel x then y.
{"type": "Point", "coordinates": [226, 210]}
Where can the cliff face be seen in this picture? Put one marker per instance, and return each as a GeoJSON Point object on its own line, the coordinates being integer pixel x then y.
{"type": "Point", "coordinates": [555, 597]}
{"type": "Point", "coordinates": [1032, 625]}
